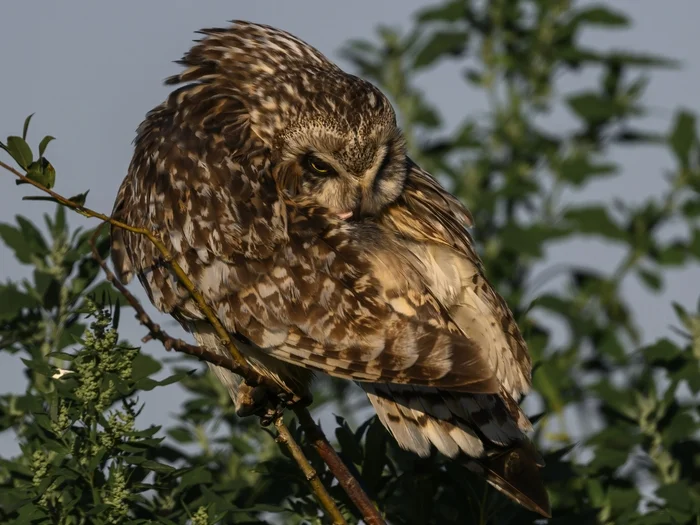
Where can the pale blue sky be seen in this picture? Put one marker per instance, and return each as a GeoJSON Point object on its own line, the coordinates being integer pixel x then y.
{"type": "Point", "coordinates": [91, 70]}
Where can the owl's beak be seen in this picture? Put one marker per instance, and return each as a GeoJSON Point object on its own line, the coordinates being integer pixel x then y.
{"type": "Point", "coordinates": [345, 215]}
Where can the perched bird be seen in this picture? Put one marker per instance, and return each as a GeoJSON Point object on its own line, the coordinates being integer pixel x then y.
{"type": "Point", "coordinates": [282, 186]}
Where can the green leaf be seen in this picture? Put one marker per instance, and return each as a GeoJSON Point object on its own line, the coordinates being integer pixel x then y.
{"type": "Point", "coordinates": [640, 59]}
{"type": "Point", "coordinates": [18, 148]}
{"type": "Point", "coordinates": [578, 170]}
{"type": "Point", "coordinates": [59, 223]}
{"type": "Point", "coordinates": [691, 208]}
{"type": "Point", "coordinates": [33, 237]}
{"type": "Point", "coordinates": [663, 351]}
{"type": "Point", "coordinates": [105, 293]}
{"type": "Point", "coordinates": [529, 240]}
{"type": "Point", "coordinates": [681, 496]}
{"type": "Point", "coordinates": [80, 198]}
{"type": "Point", "coordinates": [43, 172]}
{"type": "Point", "coordinates": [148, 464]}
{"type": "Point", "coordinates": [679, 427]}
{"type": "Point", "coordinates": [48, 287]}
{"type": "Point", "coordinates": [87, 272]}
{"type": "Point", "coordinates": [682, 315]}
{"type": "Point", "coordinates": [12, 301]}
{"type": "Point", "coordinates": [593, 108]}
{"type": "Point", "coordinates": [25, 128]}
{"type": "Point", "coordinates": [181, 434]}
{"type": "Point", "coordinates": [675, 254]}
{"type": "Point", "coordinates": [375, 457]}
{"type": "Point", "coordinates": [45, 142]}
{"type": "Point", "coordinates": [610, 345]}
{"type": "Point", "coordinates": [602, 16]}
{"type": "Point", "coordinates": [14, 239]}
{"type": "Point", "coordinates": [444, 12]}
{"type": "Point", "coordinates": [440, 44]}
{"type": "Point", "coordinates": [683, 136]}
{"type": "Point", "coordinates": [348, 444]}
{"type": "Point", "coordinates": [595, 220]}
{"type": "Point", "coordinates": [650, 278]}
{"type": "Point", "coordinates": [195, 476]}
{"type": "Point", "coordinates": [147, 384]}
{"type": "Point", "coordinates": [143, 366]}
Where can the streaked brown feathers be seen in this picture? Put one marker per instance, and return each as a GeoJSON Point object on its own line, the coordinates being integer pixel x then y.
{"type": "Point", "coordinates": [394, 298]}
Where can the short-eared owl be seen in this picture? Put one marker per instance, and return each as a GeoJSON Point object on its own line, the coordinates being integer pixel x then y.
{"type": "Point", "coordinates": [282, 186]}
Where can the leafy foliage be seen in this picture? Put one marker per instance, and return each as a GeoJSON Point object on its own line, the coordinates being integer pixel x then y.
{"type": "Point", "coordinates": [618, 422]}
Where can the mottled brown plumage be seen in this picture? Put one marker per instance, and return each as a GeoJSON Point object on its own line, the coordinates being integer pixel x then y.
{"type": "Point", "coordinates": [281, 185]}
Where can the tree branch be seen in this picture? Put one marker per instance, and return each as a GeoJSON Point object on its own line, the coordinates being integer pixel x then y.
{"type": "Point", "coordinates": [330, 457]}
{"type": "Point", "coordinates": [236, 364]}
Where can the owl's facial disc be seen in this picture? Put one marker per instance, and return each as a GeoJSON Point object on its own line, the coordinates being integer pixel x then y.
{"type": "Point", "coordinates": [352, 178]}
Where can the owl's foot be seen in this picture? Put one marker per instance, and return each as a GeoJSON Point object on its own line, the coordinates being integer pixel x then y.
{"type": "Point", "coordinates": [281, 402]}
{"type": "Point", "coordinates": [262, 401]}
{"type": "Point", "coordinates": [251, 400]}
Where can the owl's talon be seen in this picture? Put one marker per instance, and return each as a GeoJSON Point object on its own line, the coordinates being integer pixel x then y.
{"type": "Point", "coordinates": [302, 401]}
{"type": "Point", "coordinates": [252, 400]}
{"type": "Point", "coordinates": [272, 415]}
{"type": "Point", "coordinates": [260, 400]}
{"type": "Point", "coordinates": [281, 402]}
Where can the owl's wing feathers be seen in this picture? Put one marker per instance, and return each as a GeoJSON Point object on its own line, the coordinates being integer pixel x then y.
{"type": "Point", "coordinates": [431, 217]}
{"type": "Point", "coordinates": [488, 427]}
{"type": "Point", "coordinates": [349, 305]}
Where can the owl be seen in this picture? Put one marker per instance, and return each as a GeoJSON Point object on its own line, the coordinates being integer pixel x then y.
{"type": "Point", "coordinates": [283, 188]}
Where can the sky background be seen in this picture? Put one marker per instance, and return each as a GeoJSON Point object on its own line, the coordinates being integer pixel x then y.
{"type": "Point", "coordinates": [91, 70]}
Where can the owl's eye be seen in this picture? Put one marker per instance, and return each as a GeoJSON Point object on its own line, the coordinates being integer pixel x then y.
{"type": "Point", "coordinates": [318, 166]}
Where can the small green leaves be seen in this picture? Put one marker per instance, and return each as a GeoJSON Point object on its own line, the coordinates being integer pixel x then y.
{"type": "Point", "coordinates": [40, 170]}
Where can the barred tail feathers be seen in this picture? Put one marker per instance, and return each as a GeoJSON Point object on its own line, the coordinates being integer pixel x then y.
{"type": "Point", "coordinates": [476, 429]}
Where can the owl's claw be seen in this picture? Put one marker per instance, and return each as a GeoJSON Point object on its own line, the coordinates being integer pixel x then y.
{"type": "Point", "coordinates": [251, 400]}
{"type": "Point", "coordinates": [281, 402]}
{"type": "Point", "coordinates": [261, 401]}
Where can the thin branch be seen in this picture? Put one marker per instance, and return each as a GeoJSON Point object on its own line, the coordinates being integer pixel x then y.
{"type": "Point", "coordinates": [285, 437]}
{"type": "Point", "coordinates": [352, 487]}
{"type": "Point", "coordinates": [170, 342]}
{"type": "Point", "coordinates": [236, 364]}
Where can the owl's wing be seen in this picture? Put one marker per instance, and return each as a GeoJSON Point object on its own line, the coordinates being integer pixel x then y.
{"type": "Point", "coordinates": [305, 287]}
{"type": "Point", "coordinates": [429, 215]}
{"type": "Point", "coordinates": [340, 298]}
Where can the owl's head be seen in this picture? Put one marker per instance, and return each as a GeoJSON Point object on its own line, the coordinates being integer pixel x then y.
{"type": "Point", "coordinates": [334, 136]}
{"type": "Point", "coordinates": [341, 147]}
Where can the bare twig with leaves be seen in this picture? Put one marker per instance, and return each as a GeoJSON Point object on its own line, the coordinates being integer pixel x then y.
{"type": "Point", "coordinates": [236, 364]}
